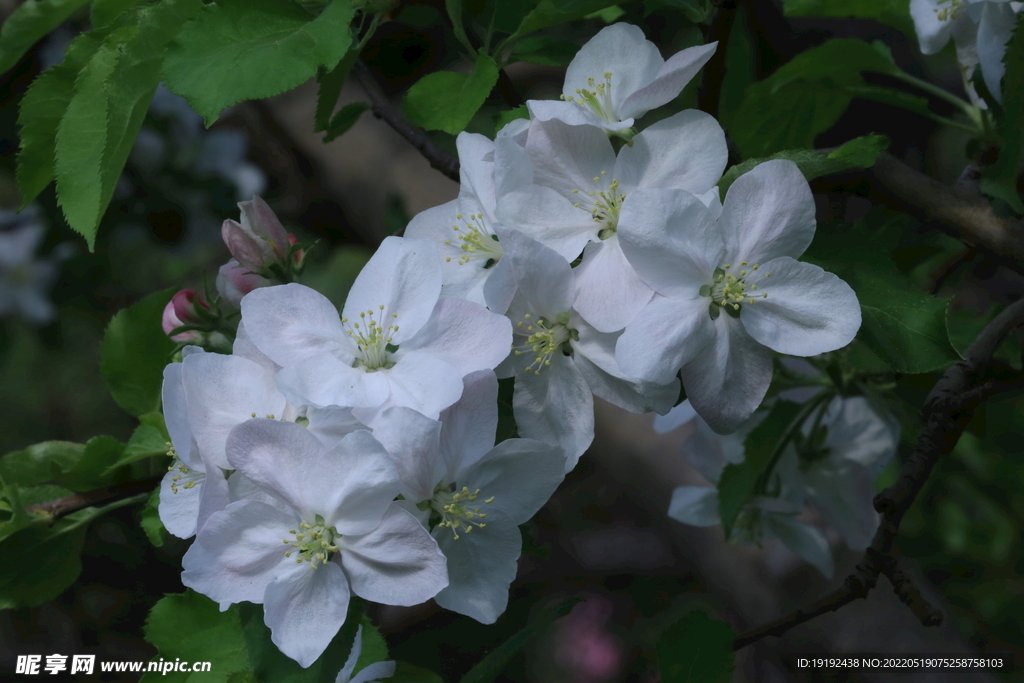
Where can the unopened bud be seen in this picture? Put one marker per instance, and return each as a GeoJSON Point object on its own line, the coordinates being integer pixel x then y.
{"type": "Point", "coordinates": [181, 310]}
{"type": "Point", "coordinates": [235, 281]}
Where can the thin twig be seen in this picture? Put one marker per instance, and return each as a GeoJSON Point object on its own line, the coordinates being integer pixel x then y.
{"type": "Point", "coordinates": [947, 410]}
{"type": "Point", "coordinates": [383, 109]}
{"type": "Point", "coordinates": [62, 507]}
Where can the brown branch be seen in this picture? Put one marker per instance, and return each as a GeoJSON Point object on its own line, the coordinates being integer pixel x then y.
{"type": "Point", "coordinates": [966, 217]}
{"type": "Point", "coordinates": [946, 412]}
{"type": "Point", "coordinates": [710, 92]}
{"type": "Point", "coordinates": [385, 110]}
{"type": "Point", "coordinates": [61, 507]}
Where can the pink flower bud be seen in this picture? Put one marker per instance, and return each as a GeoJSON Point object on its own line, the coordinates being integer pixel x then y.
{"type": "Point", "coordinates": [180, 310]}
{"type": "Point", "coordinates": [235, 281]}
{"type": "Point", "coordinates": [242, 245]}
{"type": "Point", "coordinates": [299, 256]}
{"type": "Point", "coordinates": [260, 221]}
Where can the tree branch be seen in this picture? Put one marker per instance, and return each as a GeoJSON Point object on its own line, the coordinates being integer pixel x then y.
{"type": "Point", "coordinates": [946, 412]}
{"type": "Point", "coordinates": [383, 109]}
{"type": "Point", "coordinates": [969, 218]}
{"type": "Point", "coordinates": [62, 507]}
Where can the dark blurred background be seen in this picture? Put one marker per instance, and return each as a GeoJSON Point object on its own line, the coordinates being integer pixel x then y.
{"type": "Point", "coordinates": [604, 537]}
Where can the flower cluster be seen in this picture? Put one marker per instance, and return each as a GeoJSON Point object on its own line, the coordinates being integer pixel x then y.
{"type": "Point", "coordinates": [332, 454]}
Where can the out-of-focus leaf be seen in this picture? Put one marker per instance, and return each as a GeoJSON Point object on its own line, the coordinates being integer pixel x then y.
{"type": "Point", "coordinates": [891, 12]}
{"type": "Point", "coordinates": [148, 440]}
{"type": "Point", "coordinates": [331, 83]}
{"type": "Point", "coordinates": [29, 22]}
{"type": "Point", "coordinates": [696, 649]}
{"type": "Point", "coordinates": [150, 520]}
{"type": "Point", "coordinates": [542, 50]}
{"type": "Point", "coordinates": [1000, 179]}
{"type": "Point", "coordinates": [550, 12]}
{"type": "Point", "coordinates": [345, 119]}
{"type": "Point", "coordinates": [447, 101]}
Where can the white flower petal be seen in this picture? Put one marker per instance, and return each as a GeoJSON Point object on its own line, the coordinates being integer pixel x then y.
{"type": "Point", "coordinates": [289, 323]}
{"type": "Point", "coordinates": [520, 474]}
{"type": "Point", "coordinates": [464, 335]}
{"type": "Point", "coordinates": [844, 495]}
{"type": "Point", "coordinates": [176, 415]}
{"type": "Point", "coordinates": [470, 425]}
{"type": "Point", "coordinates": [663, 338]}
{"type": "Point", "coordinates": [324, 380]}
{"type": "Point", "coordinates": [423, 382]}
{"type": "Point", "coordinates": [567, 158]}
{"type": "Point", "coordinates": [622, 50]}
{"type": "Point", "coordinates": [179, 506]}
{"type": "Point", "coordinates": [412, 442]}
{"type": "Point", "coordinates": [728, 377]}
{"type": "Point", "coordinates": [398, 563]}
{"type": "Point", "coordinates": [994, 31]}
{"type": "Point", "coordinates": [686, 151]}
{"type": "Point", "coordinates": [609, 293]}
{"type": "Point", "coordinates": [481, 567]}
{"type": "Point", "coordinates": [803, 540]}
{"type": "Point", "coordinates": [500, 286]}
{"type": "Point", "coordinates": [543, 278]}
{"type": "Point", "coordinates": [695, 505]}
{"type": "Point", "coordinates": [238, 552]}
{"type": "Point", "coordinates": [670, 80]}
{"type": "Point", "coordinates": [556, 407]}
{"type": "Point", "coordinates": [808, 311]}
{"type": "Point", "coordinates": [403, 276]}
{"type": "Point", "coordinates": [244, 348]}
{"type": "Point", "coordinates": [331, 425]}
{"type": "Point", "coordinates": [768, 212]}
{"type": "Point", "coordinates": [932, 32]}
{"type": "Point", "coordinates": [304, 609]}
{"type": "Point", "coordinates": [634, 396]}
{"type": "Point", "coordinates": [548, 217]}
{"type": "Point", "coordinates": [572, 114]}
{"type": "Point", "coordinates": [675, 418]}
{"type": "Point", "coordinates": [476, 174]}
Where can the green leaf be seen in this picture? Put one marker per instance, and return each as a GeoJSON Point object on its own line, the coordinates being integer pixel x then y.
{"type": "Point", "coordinates": [375, 648]}
{"type": "Point", "coordinates": [1002, 175]}
{"type": "Point", "coordinates": [148, 440]}
{"type": "Point", "coordinates": [190, 626]}
{"type": "Point", "coordinates": [407, 673]}
{"type": "Point", "coordinates": [804, 97]}
{"type": "Point", "coordinates": [502, 15]}
{"type": "Point", "coordinates": [50, 557]}
{"type": "Point", "coordinates": [503, 118]}
{"type": "Point", "coordinates": [891, 12]}
{"type": "Point", "coordinates": [28, 23]}
{"type": "Point", "coordinates": [345, 119]}
{"type": "Point", "coordinates": [111, 96]}
{"type": "Point", "coordinates": [902, 325]}
{"type": "Point", "coordinates": [270, 665]}
{"type": "Point", "coordinates": [134, 353]}
{"type": "Point", "coordinates": [546, 51]}
{"type": "Point", "coordinates": [488, 668]}
{"type": "Point", "coordinates": [40, 463]}
{"type": "Point", "coordinates": [739, 483]}
{"type": "Point", "coordinates": [150, 520]}
{"type": "Point", "coordinates": [89, 472]}
{"type": "Point", "coordinates": [249, 49]}
{"type": "Point", "coordinates": [857, 153]}
{"type": "Point", "coordinates": [40, 113]}
{"type": "Point", "coordinates": [696, 649]}
{"type": "Point", "coordinates": [446, 101]}
{"type": "Point", "coordinates": [331, 83]}
{"type": "Point", "coordinates": [550, 12]}
{"type": "Point", "coordinates": [103, 13]}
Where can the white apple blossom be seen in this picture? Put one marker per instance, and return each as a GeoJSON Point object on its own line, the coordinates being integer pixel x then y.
{"type": "Point", "coordinates": [618, 76]}
{"type": "Point", "coordinates": [979, 28]}
{"type": "Point", "coordinates": [372, 673]}
{"type": "Point", "coordinates": [581, 186]}
{"type": "Point", "coordinates": [333, 531]}
{"type": "Point", "coordinates": [730, 291]}
{"type": "Point", "coordinates": [559, 360]}
{"type": "Point", "coordinates": [396, 342]}
{"type": "Point", "coordinates": [463, 229]}
{"type": "Point", "coordinates": [773, 515]}
{"type": "Point", "coordinates": [472, 493]}
{"type": "Point", "coordinates": [193, 488]}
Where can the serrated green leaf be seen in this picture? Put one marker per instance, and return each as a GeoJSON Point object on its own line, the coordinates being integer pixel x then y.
{"type": "Point", "coordinates": [543, 50]}
{"type": "Point", "coordinates": [1002, 175]}
{"type": "Point", "coordinates": [502, 15]}
{"type": "Point", "coordinates": [192, 627]}
{"type": "Point", "coordinates": [804, 97]}
{"type": "Point", "coordinates": [408, 673]}
{"type": "Point", "coordinates": [150, 520]}
{"type": "Point", "coordinates": [739, 482]}
{"type": "Point", "coordinates": [447, 101]}
{"type": "Point", "coordinates": [270, 665]}
{"type": "Point", "coordinates": [134, 353]}
{"type": "Point", "coordinates": [891, 12]}
{"type": "Point", "coordinates": [103, 13]}
{"type": "Point", "coordinates": [503, 118]}
{"type": "Point", "coordinates": [39, 463]}
{"type": "Point", "coordinates": [857, 153]}
{"type": "Point", "coordinates": [488, 668]}
{"type": "Point", "coordinates": [98, 457]}
{"type": "Point", "coordinates": [331, 83]}
{"type": "Point", "coordinates": [249, 49]}
{"type": "Point", "coordinates": [49, 557]}
{"type": "Point", "coordinates": [550, 12]}
{"type": "Point", "coordinates": [28, 23]}
{"type": "Point", "coordinates": [375, 648]}
{"type": "Point", "coordinates": [697, 649]}
{"type": "Point", "coordinates": [147, 441]}
{"type": "Point", "coordinates": [345, 119]}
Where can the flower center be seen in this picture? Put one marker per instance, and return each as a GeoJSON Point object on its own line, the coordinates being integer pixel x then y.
{"type": "Point", "coordinates": [597, 99]}
{"type": "Point", "coordinates": [455, 509]}
{"type": "Point", "coordinates": [949, 12]}
{"type": "Point", "coordinates": [373, 338]}
{"type": "Point", "coordinates": [477, 241]}
{"type": "Point", "coordinates": [728, 290]}
{"type": "Point", "coordinates": [604, 205]}
{"type": "Point", "coordinates": [314, 542]}
{"type": "Point", "coordinates": [544, 338]}
{"type": "Point", "coordinates": [183, 472]}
